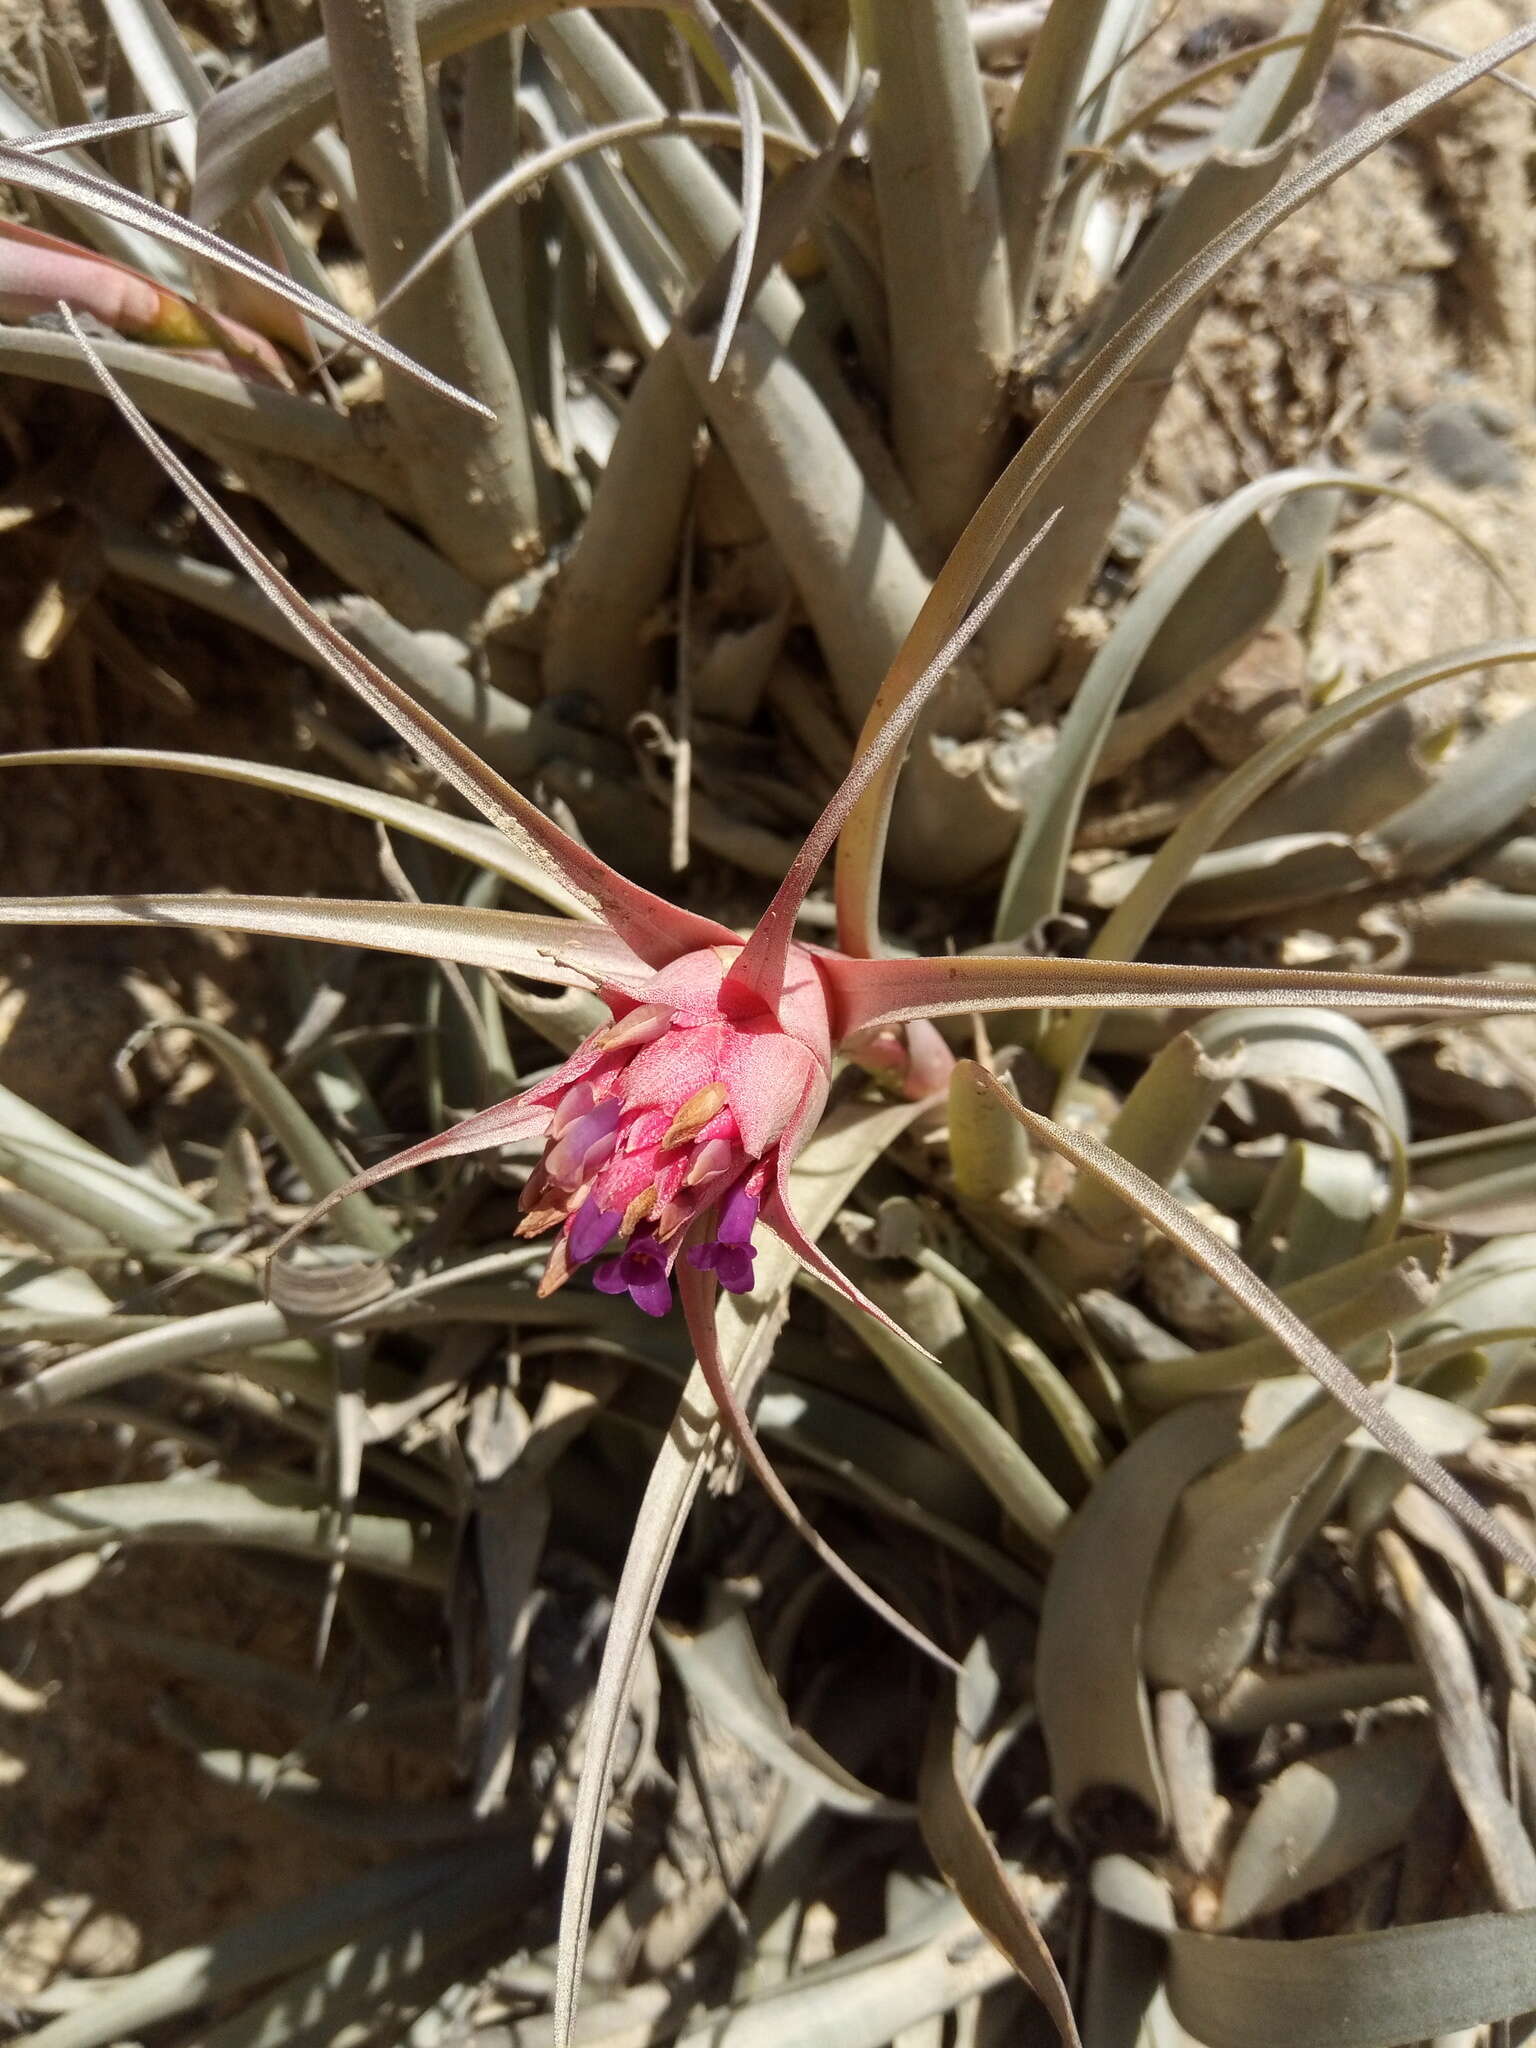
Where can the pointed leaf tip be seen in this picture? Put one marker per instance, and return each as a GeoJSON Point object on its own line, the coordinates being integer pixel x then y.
{"type": "Point", "coordinates": [698, 1291]}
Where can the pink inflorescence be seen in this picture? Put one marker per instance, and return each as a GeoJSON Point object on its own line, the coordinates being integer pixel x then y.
{"type": "Point", "coordinates": [666, 1142]}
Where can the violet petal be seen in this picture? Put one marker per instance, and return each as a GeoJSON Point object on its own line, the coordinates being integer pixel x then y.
{"type": "Point", "coordinates": [734, 1267]}
{"type": "Point", "coordinates": [738, 1216]}
{"type": "Point", "coordinates": [608, 1278]}
{"type": "Point", "coordinates": [654, 1297]}
{"type": "Point", "coordinates": [590, 1230]}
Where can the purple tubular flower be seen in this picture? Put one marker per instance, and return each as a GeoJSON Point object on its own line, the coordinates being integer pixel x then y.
{"type": "Point", "coordinates": [591, 1231]}
{"type": "Point", "coordinates": [731, 1264]}
{"type": "Point", "coordinates": [641, 1271]}
{"type": "Point", "coordinates": [730, 1253]}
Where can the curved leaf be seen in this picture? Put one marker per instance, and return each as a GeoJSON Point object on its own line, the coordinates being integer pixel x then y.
{"type": "Point", "coordinates": [295, 1130]}
{"type": "Point", "coordinates": [723, 1674]}
{"type": "Point", "coordinates": [659, 930]}
{"type": "Point", "coordinates": [1372, 1990]}
{"type": "Point", "coordinates": [551, 949]}
{"type": "Point", "coordinates": [1089, 1686]}
{"type": "Point", "coordinates": [1133, 920]}
{"type": "Point", "coordinates": [264, 1516]}
{"type": "Point", "coordinates": [82, 188]}
{"type": "Point", "coordinates": [466, 837]}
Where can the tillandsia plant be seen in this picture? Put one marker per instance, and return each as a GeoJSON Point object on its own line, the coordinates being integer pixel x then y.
{"type": "Point", "coordinates": [919, 548]}
{"type": "Point", "coordinates": [673, 1128]}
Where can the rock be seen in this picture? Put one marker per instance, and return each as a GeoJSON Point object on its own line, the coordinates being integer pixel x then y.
{"type": "Point", "coordinates": [1258, 696]}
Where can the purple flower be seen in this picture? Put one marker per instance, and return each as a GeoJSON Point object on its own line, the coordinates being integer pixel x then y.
{"type": "Point", "coordinates": [730, 1254]}
{"type": "Point", "coordinates": [641, 1270]}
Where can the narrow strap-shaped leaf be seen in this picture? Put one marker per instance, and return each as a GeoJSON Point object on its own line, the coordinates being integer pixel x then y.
{"type": "Point", "coordinates": [750, 115]}
{"type": "Point", "coordinates": [552, 949]}
{"type": "Point", "coordinates": [724, 1675]}
{"type": "Point", "coordinates": [761, 965]}
{"type": "Point", "coordinates": [466, 837]}
{"type": "Point", "coordinates": [95, 131]}
{"type": "Point", "coordinates": [1223, 1265]}
{"type": "Point", "coordinates": [181, 1340]}
{"type": "Point", "coordinates": [270, 1515]}
{"type": "Point", "coordinates": [81, 188]}
{"type": "Point", "coordinates": [779, 1216]}
{"type": "Point", "coordinates": [868, 993]}
{"type": "Point", "coordinates": [657, 930]}
{"type": "Point", "coordinates": [1368, 1990]}
{"type": "Point", "coordinates": [1037, 869]}
{"type": "Point", "coordinates": [698, 1293]}
{"type": "Point", "coordinates": [1090, 1687]}
{"type": "Point", "coordinates": [932, 178]}
{"type": "Point", "coordinates": [1207, 821]}
{"type": "Point", "coordinates": [39, 269]}
{"type": "Point", "coordinates": [267, 1945]}
{"type": "Point", "coordinates": [295, 1130]}
{"type": "Point", "coordinates": [958, 1842]}
{"type": "Point", "coordinates": [1034, 143]}
{"type": "Point", "coordinates": [965, 1425]}
{"type": "Point", "coordinates": [530, 173]}
{"type": "Point", "coordinates": [520, 1117]}
{"type": "Point", "coordinates": [503, 1122]}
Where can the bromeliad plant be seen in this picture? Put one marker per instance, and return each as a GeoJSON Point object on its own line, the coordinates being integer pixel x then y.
{"type": "Point", "coordinates": [669, 1135]}
{"type": "Point", "coordinates": [672, 1130]}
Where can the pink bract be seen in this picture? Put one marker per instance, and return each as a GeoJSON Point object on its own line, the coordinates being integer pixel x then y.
{"type": "Point", "coordinates": [667, 1125]}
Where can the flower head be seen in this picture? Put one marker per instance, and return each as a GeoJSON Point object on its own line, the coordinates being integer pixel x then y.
{"type": "Point", "coordinates": [665, 1128]}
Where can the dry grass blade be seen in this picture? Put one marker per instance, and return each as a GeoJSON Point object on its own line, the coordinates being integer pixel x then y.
{"type": "Point", "coordinates": [745, 255]}
{"type": "Point", "coordinates": [1224, 1266]}
{"type": "Point", "coordinates": [959, 1844]}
